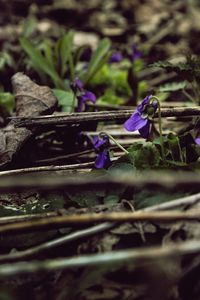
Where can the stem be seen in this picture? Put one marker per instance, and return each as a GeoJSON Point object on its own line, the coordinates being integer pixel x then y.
{"type": "Point", "coordinates": [73, 103]}
{"type": "Point", "coordinates": [114, 140]}
{"type": "Point", "coordinates": [160, 127]}
{"type": "Point", "coordinates": [189, 96]}
{"type": "Point", "coordinates": [195, 90]}
{"type": "Point", "coordinates": [180, 152]}
{"type": "Point", "coordinates": [71, 68]}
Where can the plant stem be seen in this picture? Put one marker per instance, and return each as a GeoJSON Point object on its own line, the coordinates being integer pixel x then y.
{"type": "Point", "coordinates": [189, 96]}
{"type": "Point", "coordinates": [160, 127]}
{"type": "Point", "coordinates": [114, 140]}
{"type": "Point", "coordinates": [71, 68]}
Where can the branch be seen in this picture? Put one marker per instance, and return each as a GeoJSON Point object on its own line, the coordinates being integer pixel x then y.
{"type": "Point", "coordinates": [103, 259]}
{"type": "Point", "coordinates": [149, 179]}
{"type": "Point", "coordinates": [48, 168]}
{"type": "Point", "coordinates": [173, 204]}
{"type": "Point", "coordinates": [78, 118]}
{"type": "Point", "coordinates": [33, 251]}
{"type": "Point", "coordinates": [119, 217]}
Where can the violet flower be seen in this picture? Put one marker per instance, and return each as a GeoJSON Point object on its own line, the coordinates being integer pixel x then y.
{"type": "Point", "coordinates": [135, 53]}
{"type": "Point", "coordinates": [98, 143]}
{"type": "Point", "coordinates": [197, 141]}
{"type": "Point", "coordinates": [140, 118]}
{"type": "Point", "coordinates": [78, 84]}
{"type": "Point", "coordinates": [82, 95]}
{"type": "Point", "coordinates": [103, 160]}
{"type": "Point", "coordinates": [116, 57]}
{"type": "Point", "coordinates": [103, 157]}
{"type": "Point", "coordinates": [83, 98]}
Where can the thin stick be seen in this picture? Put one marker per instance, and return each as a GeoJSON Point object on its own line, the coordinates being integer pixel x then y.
{"type": "Point", "coordinates": [103, 259]}
{"type": "Point", "coordinates": [119, 217]}
{"type": "Point", "coordinates": [173, 204]}
{"type": "Point", "coordinates": [148, 179]}
{"type": "Point", "coordinates": [48, 168]}
{"type": "Point", "coordinates": [33, 251]}
{"type": "Point", "coordinates": [120, 115]}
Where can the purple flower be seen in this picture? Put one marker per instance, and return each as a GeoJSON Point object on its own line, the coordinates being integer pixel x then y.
{"type": "Point", "coordinates": [140, 118]}
{"type": "Point", "coordinates": [135, 53]}
{"type": "Point", "coordinates": [115, 58]}
{"type": "Point", "coordinates": [103, 157]}
{"type": "Point", "coordinates": [197, 141]}
{"type": "Point", "coordinates": [82, 95]}
{"type": "Point", "coordinates": [86, 96]}
{"type": "Point", "coordinates": [77, 85]}
{"type": "Point", "coordinates": [103, 160]}
{"type": "Point", "coordinates": [98, 143]}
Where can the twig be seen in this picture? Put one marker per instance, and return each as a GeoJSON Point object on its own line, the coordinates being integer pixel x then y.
{"type": "Point", "coordinates": [19, 218]}
{"type": "Point", "coordinates": [106, 259]}
{"type": "Point", "coordinates": [148, 179]}
{"type": "Point", "coordinates": [119, 217]}
{"type": "Point", "coordinates": [48, 168]}
{"type": "Point", "coordinates": [33, 251]}
{"type": "Point", "coordinates": [173, 204]}
{"type": "Point", "coordinates": [63, 157]}
{"type": "Point", "coordinates": [120, 115]}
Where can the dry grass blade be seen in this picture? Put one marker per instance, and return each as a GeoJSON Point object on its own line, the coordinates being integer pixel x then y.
{"type": "Point", "coordinates": [121, 115]}
{"type": "Point", "coordinates": [119, 217]}
{"type": "Point", "coordinates": [109, 258]}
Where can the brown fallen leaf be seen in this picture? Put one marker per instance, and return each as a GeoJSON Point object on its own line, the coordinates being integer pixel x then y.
{"type": "Point", "coordinates": [31, 100]}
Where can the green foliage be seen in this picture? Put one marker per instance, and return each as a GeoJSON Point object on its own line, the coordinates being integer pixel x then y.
{"type": "Point", "coordinates": [146, 198]}
{"type": "Point", "coordinates": [41, 63]}
{"type": "Point", "coordinates": [172, 86]}
{"type": "Point", "coordinates": [64, 51]}
{"type": "Point", "coordinates": [58, 60]}
{"type": "Point", "coordinates": [6, 59]}
{"type": "Point", "coordinates": [183, 69]}
{"type": "Point", "coordinates": [7, 102]}
{"type": "Point", "coordinates": [189, 71]}
{"type": "Point", "coordinates": [98, 59]}
{"type": "Point", "coordinates": [114, 78]}
{"type": "Point", "coordinates": [66, 99]}
{"type": "Point", "coordinates": [144, 155]}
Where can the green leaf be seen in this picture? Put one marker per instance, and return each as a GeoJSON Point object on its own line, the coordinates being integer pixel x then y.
{"type": "Point", "coordinates": [65, 48]}
{"type": "Point", "coordinates": [7, 101]}
{"type": "Point", "coordinates": [146, 198]}
{"type": "Point", "coordinates": [40, 62]}
{"type": "Point", "coordinates": [86, 198]}
{"type": "Point", "coordinates": [29, 26]}
{"type": "Point", "coordinates": [6, 60]}
{"type": "Point", "coordinates": [99, 56]}
{"type": "Point", "coordinates": [65, 99]}
{"type": "Point", "coordinates": [144, 155]}
{"type": "Point", "coordinates": [48, 52]}
{"type": "Point", "coordinates": [172, 87]}
{"type": "Point", "coordinates": [173, 144]}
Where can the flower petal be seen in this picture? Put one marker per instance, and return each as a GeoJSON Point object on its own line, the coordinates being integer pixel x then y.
{"type": "Point", "coordinates": [115, 58]}
{"type": "Point", "coordinates": [78, 84]}
{"type": "Point", "coordinates": [197, 141]}
{"type": "Point", "coordinates": [144, 102]}
{"type": "Point", "coordinates": [145, 131]}
{"type": "Point", "coordinates": [103, 160]}
{"type": "Point", "coordinates": [89, 96]}
{"type": "Point", "coordinates": [97, 142]}
{"type": "Point", "coordinates": [135, 122]}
